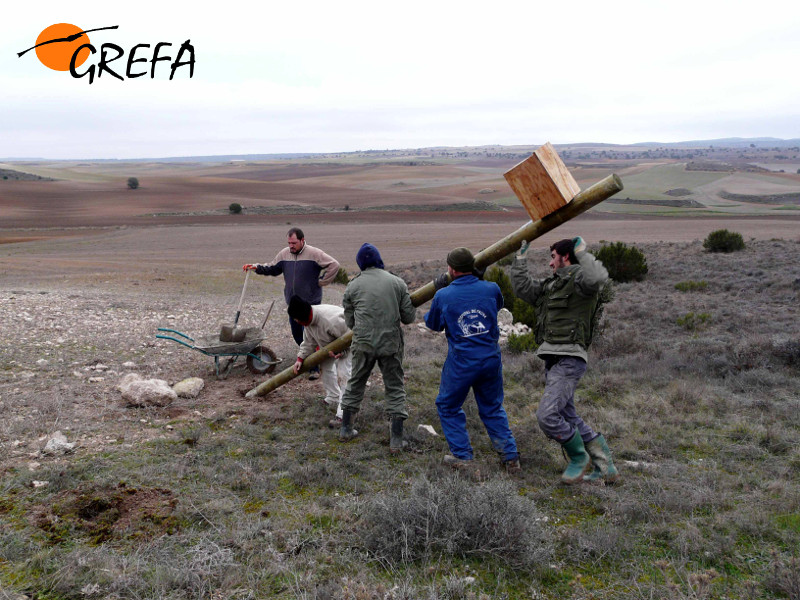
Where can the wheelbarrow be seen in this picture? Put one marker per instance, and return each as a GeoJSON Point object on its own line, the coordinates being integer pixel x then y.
{"type": "Point", "coordinates": [260, 359]}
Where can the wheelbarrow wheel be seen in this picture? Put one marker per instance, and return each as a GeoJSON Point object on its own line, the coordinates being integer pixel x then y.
{"type": "Point", "coordinates": [259, 359]}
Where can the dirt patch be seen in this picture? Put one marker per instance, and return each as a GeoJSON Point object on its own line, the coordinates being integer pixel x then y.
{"type": "Point", "coordinates": [106, 513]}
{"type": "Point", "coordinates": [678, 192]}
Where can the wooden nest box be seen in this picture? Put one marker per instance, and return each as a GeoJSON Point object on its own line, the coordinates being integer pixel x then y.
{"type": "Point", "coordinates": [542, 182]}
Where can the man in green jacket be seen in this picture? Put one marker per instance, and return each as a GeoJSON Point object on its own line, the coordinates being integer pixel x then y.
{"type": "Point", "coordinates": [565, 305]}
{"type": "Point", "coordinates": [375, 304]}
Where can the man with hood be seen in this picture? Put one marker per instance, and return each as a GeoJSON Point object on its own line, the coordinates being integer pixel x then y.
{"type": "Point", "coordinates": [375, 304]}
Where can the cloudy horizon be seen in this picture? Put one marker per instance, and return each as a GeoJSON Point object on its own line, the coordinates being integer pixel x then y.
{"type": "Point", "coordinates": [319, 78]}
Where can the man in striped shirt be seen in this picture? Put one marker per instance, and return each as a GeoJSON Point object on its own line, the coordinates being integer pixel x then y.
{"type": "Point", "coordinates": [306, 270]}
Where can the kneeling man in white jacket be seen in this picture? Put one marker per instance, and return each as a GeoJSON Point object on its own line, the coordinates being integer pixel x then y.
{"type": "Point", "coordinates": [323, 323]}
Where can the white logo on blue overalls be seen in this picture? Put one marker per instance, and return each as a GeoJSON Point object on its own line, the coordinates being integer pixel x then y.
{"type": "Point", "coordinates": [472, 323]}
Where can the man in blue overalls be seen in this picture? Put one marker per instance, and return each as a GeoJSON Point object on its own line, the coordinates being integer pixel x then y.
{"type": "Point", "coordinates": [467, 311]}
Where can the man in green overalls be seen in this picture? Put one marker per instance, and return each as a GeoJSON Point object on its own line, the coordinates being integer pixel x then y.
{"type": "Point", "coordinates": [376, 303]}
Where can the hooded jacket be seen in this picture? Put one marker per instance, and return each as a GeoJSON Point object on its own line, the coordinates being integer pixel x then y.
{"type": "Point", "coordinates": [375, 304]}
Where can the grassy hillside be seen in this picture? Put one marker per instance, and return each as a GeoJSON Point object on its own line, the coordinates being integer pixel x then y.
{"type": "Point", "coordinates": [696, 388]}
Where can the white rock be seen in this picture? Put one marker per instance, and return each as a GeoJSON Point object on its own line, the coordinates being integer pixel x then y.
{"type": "Point", "coordinates": [189, 388]}
{"type": "Point", "coordinates": [427, 429]}
{"type": "Point", "coordinates": [58, 444]}
{"type": "Point", "coordinates": [145, 392]}
{"type": "Point", "coordinates": [39, 484]}
{"type": "Point", "coordinates": [638, 465]}
{"type": "Point", "coordinates": [129, 365]}
{"type": "Point", "coordinates": [504, 317]}
{"type": "Point", "coordinates": [96, 379]}
{"type": "Point", "coordinates": [42, 362]}
{"type": "Point", "coordinates": [100, 367]}
{"type": "Point", "coordinates": [33, 465]}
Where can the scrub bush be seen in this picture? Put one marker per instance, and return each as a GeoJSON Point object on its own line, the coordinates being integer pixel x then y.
{"type": "Point", "coordinates": [235, 208]}
{"type": "Point", "coordinates": [624, 263]}
{"type": "Point", "coordinates": [342, 276]}
{"type": "Point", "coordinates": [453, 517]}
{"type": "Point", "coordinates": [692, 321]}
{"type": "Point", "coordinates": [525, 342]}
{"type": "Point", "coordinates": [691, 286]}
{"type": "Point", "coordinates": [521, 310]}
{"type": "Point", "coordinates": [133, 183]}
{"type": "Point", "coordinates": [723, 240]}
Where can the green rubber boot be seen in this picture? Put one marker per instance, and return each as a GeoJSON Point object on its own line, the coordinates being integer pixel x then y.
{"type": "Point", "coordinates": [604, 469]}
{"type": "Point", "coordinates": [347, 433]}
{"type": "Point", "coordinates": [396, 442]}
{"type": "Point", "coordinates": [578, 459]}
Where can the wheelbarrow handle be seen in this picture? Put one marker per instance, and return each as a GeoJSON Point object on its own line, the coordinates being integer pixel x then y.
{"type": "Point", "coordinates": [181, 342]}
{"type": "Point", "coordinates": [183, 335]}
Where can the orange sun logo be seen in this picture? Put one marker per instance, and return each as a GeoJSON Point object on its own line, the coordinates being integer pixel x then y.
{"type": "Point", "coordinates": [57, 43]}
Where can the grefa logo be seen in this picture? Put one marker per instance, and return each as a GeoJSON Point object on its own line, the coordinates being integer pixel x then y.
{"type": "Point", "coordinates": [66, 47]}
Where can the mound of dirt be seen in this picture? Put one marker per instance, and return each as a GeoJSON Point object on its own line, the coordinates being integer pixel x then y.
{"type": "Point", "coordinates": [105, 513]}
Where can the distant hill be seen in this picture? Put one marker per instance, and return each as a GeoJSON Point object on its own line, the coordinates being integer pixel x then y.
{"type": "Point", "coordinates": [734, 142]}
{"type": "Point", "coordinates": [496, 149]}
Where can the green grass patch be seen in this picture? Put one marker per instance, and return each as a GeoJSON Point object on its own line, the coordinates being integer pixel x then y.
{"type": "Point", "coordinates": [691, 286]}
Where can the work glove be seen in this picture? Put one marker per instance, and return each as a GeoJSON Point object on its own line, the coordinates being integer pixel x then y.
{"type": "Point", "coordinates": [249, 267]}
{"type": "Point", "coordinates": [523, 249]}
{"type": "Point", "coordinates": [580, 245]}
{"type": "Point", "coordinates": [479, 272]}
{"type": "Point", "coordinates": [440, 281]}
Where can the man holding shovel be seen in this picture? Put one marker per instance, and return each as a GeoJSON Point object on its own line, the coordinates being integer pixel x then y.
{"type": "Point", "coordinates": [306, 270]}
{"type": "Point", "coordinates": [322, 324]}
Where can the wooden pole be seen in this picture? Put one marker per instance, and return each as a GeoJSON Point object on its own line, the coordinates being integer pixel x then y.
{"type": "Point", "coordinates": [588, 198]}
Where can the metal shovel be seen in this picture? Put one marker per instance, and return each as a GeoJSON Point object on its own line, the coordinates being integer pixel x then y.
{"type": "Point", "coordinates": [229, 332]}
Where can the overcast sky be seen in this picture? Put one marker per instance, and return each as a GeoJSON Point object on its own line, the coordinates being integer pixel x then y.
{"type": "Point", "coordinates": [342, 76]}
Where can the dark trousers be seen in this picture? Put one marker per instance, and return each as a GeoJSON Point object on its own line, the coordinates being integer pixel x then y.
{"type": "Point", "coordinates": [557, 416]}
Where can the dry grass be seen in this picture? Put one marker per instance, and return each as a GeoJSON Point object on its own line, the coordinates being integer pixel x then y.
{"type": "Point", "coordinates": [704, 424]}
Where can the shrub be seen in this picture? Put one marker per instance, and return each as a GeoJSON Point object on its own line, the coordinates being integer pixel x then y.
{"type": "Point", "coordinates": [623, 263]}
{"type": "Point", "coordinates": [453, 517]}
{"type": "Point", "coordinates": [524, 342]}
{"type": "Point", "coordinates": [235, 208]}
{"type": "Point", "coordinates": [506, 260]}
{"type": "Point", "coordinates": [342, 276]}
{"type": "Point", "coordinates": [521, 310]}
{"type": "Point", "coordinates": [692, 321]}
{"type": "Point", "coordinates": [723, 240]}
{"type": "Point", "coordinates": [691, 286]}
{"type": "Point", "coordinates": [499, 276]}
{"type": "Point", "coordinates": [133, 183]}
